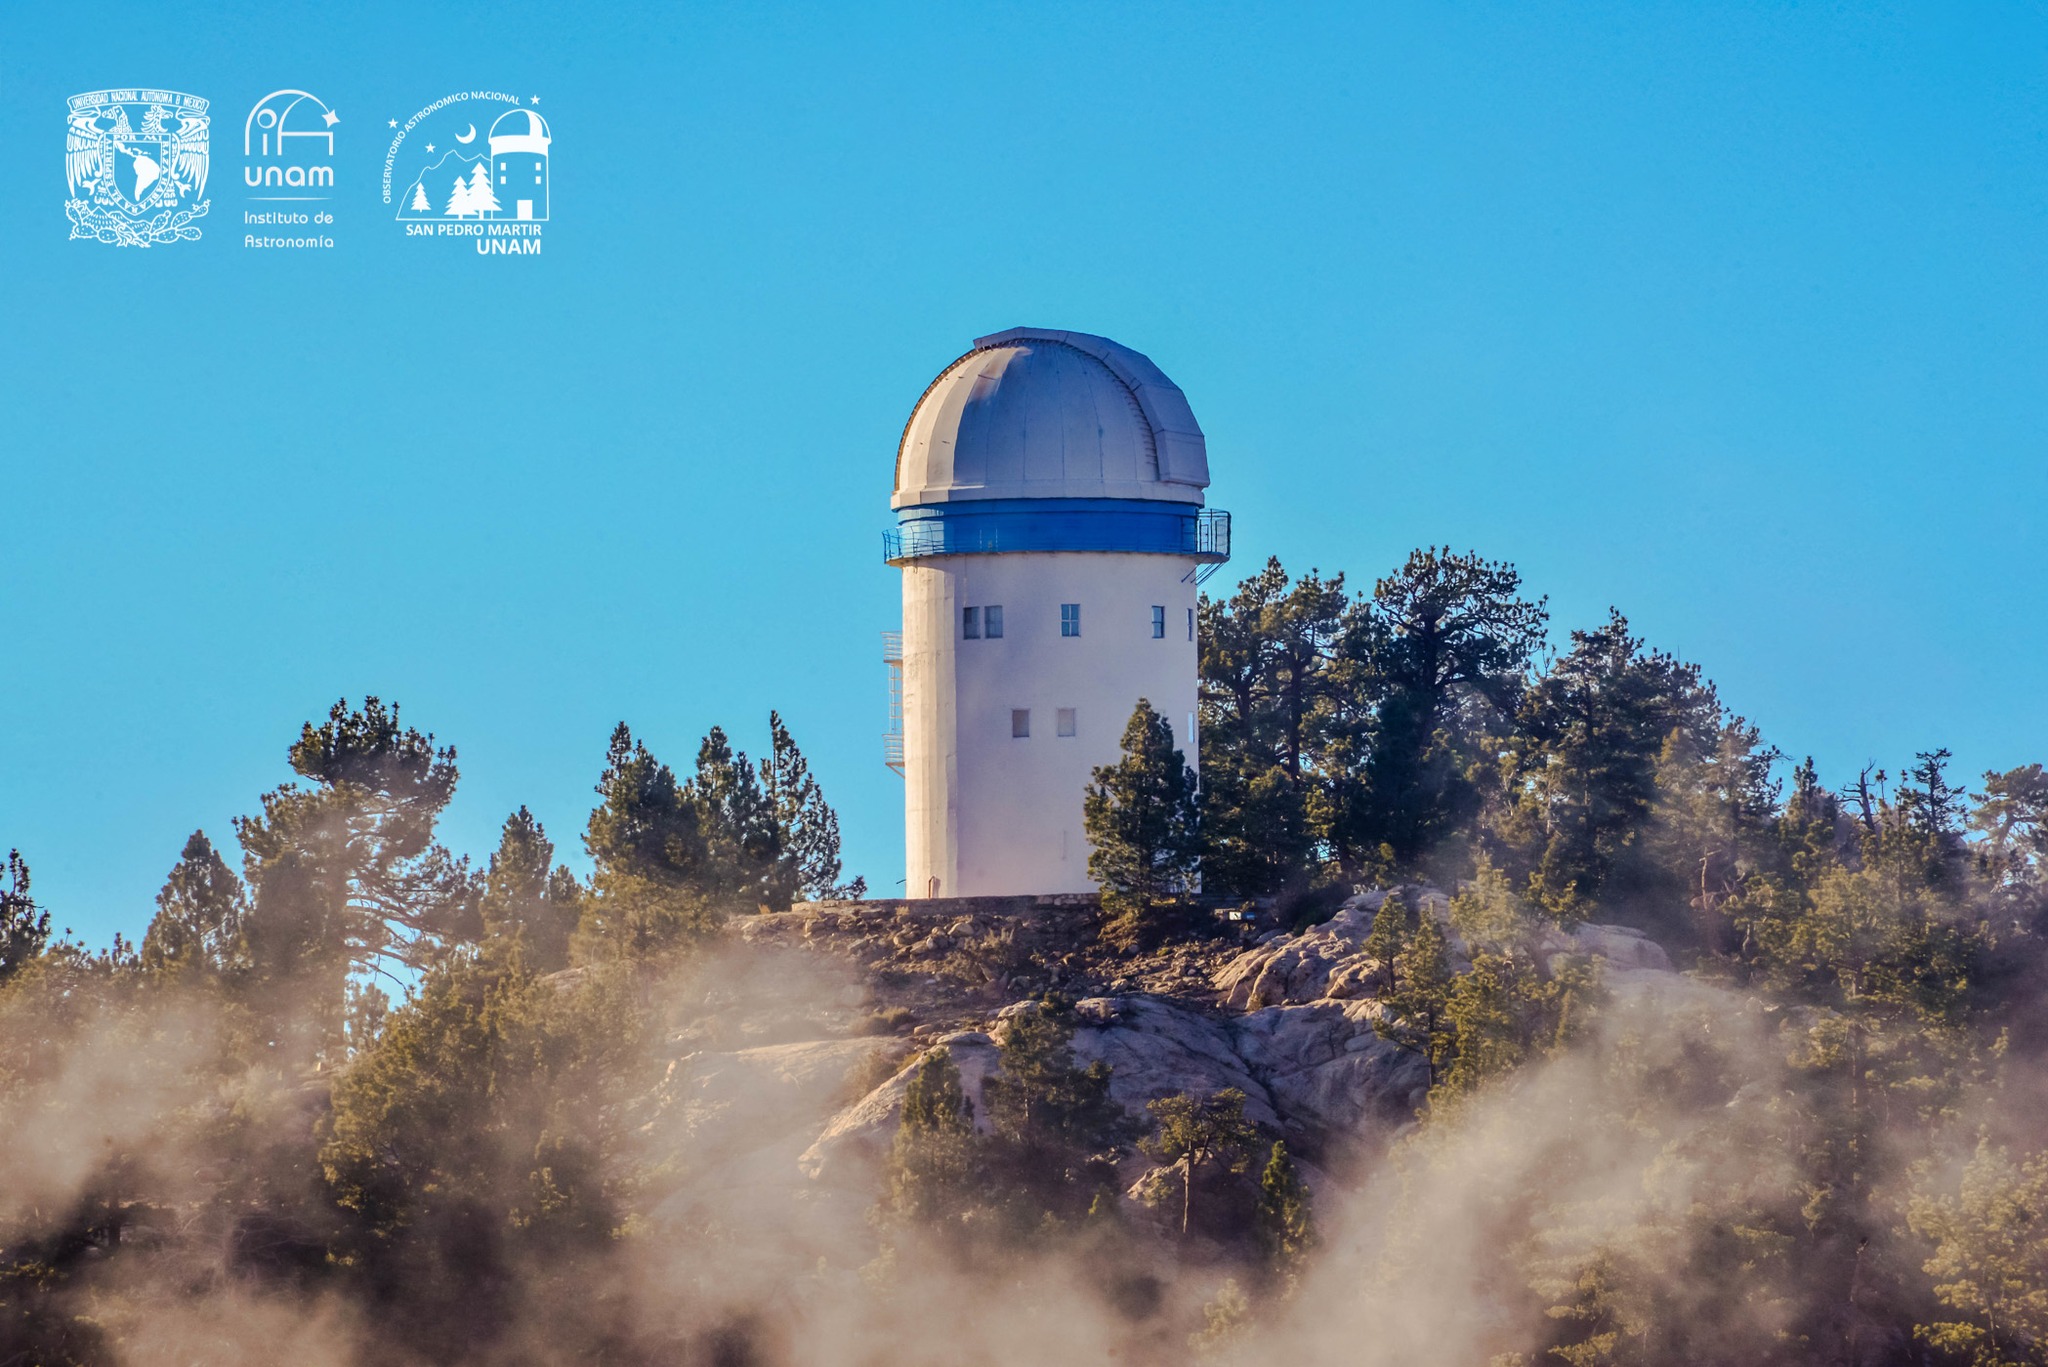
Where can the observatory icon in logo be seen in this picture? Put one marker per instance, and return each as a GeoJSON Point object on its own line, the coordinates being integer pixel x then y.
{"type": "Point", "coordinates": [479, 175]}
{"type": "Point", "coordinates": [505, 178]}
{"type": "Point", "coordinates": [288, 144]}
{"type": "Point", "coordinates": [136, 163]}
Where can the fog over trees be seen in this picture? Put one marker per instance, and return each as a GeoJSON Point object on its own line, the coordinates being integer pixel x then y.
{"type": "Point", "coordinates": [358, 1098]}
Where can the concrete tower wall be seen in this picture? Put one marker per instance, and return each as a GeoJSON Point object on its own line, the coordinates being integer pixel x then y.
{"type": "Point", "coordinates": [992, 814]}
{"type": "Point", "coordinates": [1042, 469]}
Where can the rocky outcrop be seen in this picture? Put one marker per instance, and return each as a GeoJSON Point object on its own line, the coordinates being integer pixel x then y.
{"type": "Point", "coordinates": [1328, 1071]}
{"type": "Point", "coordinates": [1323, 963]}
{"type": "Point", "coordinates": [1290, 1024]}
{"type": "Point", "coordinates": [1328, 962]}
{"type": "Point", "coordinates": [1320, 1072]}
{"type": "Point", "coordinates": [856, 1140]}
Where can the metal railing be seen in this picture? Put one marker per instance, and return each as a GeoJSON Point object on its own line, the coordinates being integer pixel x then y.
{"type": "Point", "coordinates": [1205, 534]}
{"type": "Point", "coordinates": [1212, 534]}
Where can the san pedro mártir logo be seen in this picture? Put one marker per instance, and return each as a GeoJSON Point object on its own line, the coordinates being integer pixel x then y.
{"type": "Point", "coordinates": [479, 172]}
{"type": "Point", "coordinates": [136, 164]}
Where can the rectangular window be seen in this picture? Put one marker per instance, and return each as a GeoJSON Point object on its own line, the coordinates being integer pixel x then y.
{"type": "Point", "coordinates": [970, 623]}
{"type": "Point", "coordinates": [992, 618]}
{"type": "Point", "coordinates": [1070, 619]}
{"type": "Point", "coordinates": [1158, 624]}
{"type": "Point", "coordinates": [1020, 723]}
{"type": "Point", "coordinates": [1191, 624]}
{"type": "Point", "coordinates": [1066, 721]}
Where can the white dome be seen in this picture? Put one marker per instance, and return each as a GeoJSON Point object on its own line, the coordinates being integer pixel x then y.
{"type": "Point", "coordinates": [1031, 413]}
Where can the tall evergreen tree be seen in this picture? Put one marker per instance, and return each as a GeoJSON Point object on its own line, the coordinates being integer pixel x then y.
{"type": "Point", "coordinates": [1417, 1009]}
{"type": "Point", "coordinates": [1267, 695]}
{"type": "Point", "coordinates": [650, 890]}
{"type": "Point", "coordinates": [1195, 1133]}
{"type": "Point", "coordinates": [933, 1161]}
{"type": "Point", "coordinates": [24, 927]}
{"type": "Point", "coordinates": [1440, 655]}
{"type": "Point", "coordinates": [345, 872]}
{"type": "Point", "coordinates": [1284, 1219]}
{"type": "Point", "coordinates": [197, 931]}
{"type": "Point", "coordinates": [1054, 1121]}
{"type": "Point", "coordinates": [807, 861]}
{"type": "Point", "coordinates": [528, 898]}
{"type": "Point", "coordinates": [1142, 819]}
{"type": "Point", "coordinates": [1582, 769]}
{"type": "Point", "coordinates": [742, 844]}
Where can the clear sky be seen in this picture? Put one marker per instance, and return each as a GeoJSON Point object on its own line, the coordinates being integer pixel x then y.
{"type": "Point", "coordinates": [1732, 317]}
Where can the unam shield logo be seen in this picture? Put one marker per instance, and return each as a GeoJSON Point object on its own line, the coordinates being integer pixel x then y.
{"type": "Point", "coordinates": [136, 164]}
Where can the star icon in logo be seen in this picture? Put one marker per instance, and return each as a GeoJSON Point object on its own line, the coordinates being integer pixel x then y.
{"type": "Point", "coordinates": [430, 147]}
{"type": "Point", "coordinates": [394, 123]}
{"type": "Point", "coordinates": [331, 118]}
{"type": "Point", "coordinates": [533, 99]}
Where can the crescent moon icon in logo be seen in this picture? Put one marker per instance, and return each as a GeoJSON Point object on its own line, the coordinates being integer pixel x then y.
{"type": "Point", "coordinates": [468, 137]}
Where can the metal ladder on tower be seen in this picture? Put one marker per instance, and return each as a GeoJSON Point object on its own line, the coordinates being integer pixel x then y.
{"type": "Point", "coordinates": [892, 739]}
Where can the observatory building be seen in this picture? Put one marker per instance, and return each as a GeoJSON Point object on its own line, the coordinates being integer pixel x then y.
{"type": "Point", "coordinates": [519, 143]}
{"type": "Point", "coordinates": [1051, 534]}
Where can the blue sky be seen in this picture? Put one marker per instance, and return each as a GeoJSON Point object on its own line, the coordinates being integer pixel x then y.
{"type": "Point", "coordinates": [1731, 317]}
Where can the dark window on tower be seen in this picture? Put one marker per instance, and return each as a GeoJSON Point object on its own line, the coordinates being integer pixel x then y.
{"type": "Point", "coordinates": [970, 623]}
{"type": "Point", "coordinates": [1070, 619]}
{"type": "Point", "coordinates": [1020, 723]}
{"type": "Point", "coordinates": [1158, 624]}
{"type": "Point", "coordinates": [1191, 624]}
{"type": "Point", "coordinates": [1065, 721]}
{"type": "Point", "coordinates": [992, 618]}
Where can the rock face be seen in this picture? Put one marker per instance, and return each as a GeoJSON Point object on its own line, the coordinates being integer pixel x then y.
{"type": "Point", "coordinates": [1319, 1072]}
{"type": "Point", "coordinates": [1291, 1026]}
{"type": "Point", "coordinates": [1325, 962]}
{"type": "Point", "coordinates": [1329, 963]}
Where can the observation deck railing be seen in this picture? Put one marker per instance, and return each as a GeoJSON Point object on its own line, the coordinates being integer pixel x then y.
{"type": "Point", "coordinates": [1203, 535]}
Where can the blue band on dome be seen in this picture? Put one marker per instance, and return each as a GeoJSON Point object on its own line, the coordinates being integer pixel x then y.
{"type": "Point", "coordinates": [998, 525]}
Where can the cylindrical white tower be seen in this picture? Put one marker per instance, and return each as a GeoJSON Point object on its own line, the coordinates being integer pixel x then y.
{"type": "Point", "coordinates": [1050, 532]}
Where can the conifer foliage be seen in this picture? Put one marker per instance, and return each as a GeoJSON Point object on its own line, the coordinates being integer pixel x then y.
{"type": "Point", "coordinates": [24, 927]}
{"type": "Point", "coordinates": [1143, 823]}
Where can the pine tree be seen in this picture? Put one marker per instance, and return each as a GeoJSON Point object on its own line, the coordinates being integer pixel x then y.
{"type": "Point", "coordinates": [1441, 650]}
{"type": "Point", "coordinates": [1388, 936]}
{"type": "Point", "coordinates": [741, 840]}
{"type": "Point", "coordinates": [1990, 1257]}
{"type": "Point", "coordinates": [1266, 701]}
{"type": "Point", "coordinates": [807, 829]}
{"type": "Point", "coordinates": [1053, 1120]}
{"type": "Point", "coordinates": [482, 198]}
{"type": "Point", "coordinates": [1199, 1132]}
{"type": "Point", "coordinates": [459, 200]}
{"type": "Point", "coordinates": [1583, 769]}
{"type": "Point", "coordinates": [1415, 1013]}
{"type": "Point", "coordinates": [933, 1161]}
{"type": "Point", "coordinates": [420, 203]}
{"type": "Point", "coordinates": [344, 872]}
{"type": "Point", "coordinates": [1142, 821]}
{"type": "Point", "coordinates": [529, 899]}
{"type": "Point", "coordinates": [24, 928]}
{"type": "Point", "coordinates": [198, 926]}
{"type": "Point", "coordinates": [1283, 1220]}
{"type": "Point", "coordinates": [649, 891]}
